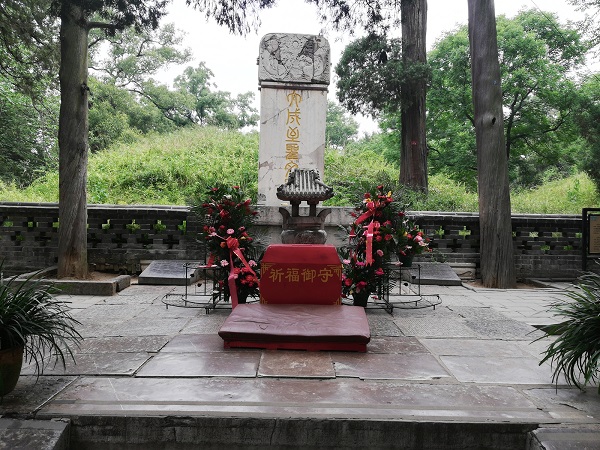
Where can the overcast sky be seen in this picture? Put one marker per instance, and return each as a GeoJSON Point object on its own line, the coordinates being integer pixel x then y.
{"type": "Point", "coordinates": [233, 58]}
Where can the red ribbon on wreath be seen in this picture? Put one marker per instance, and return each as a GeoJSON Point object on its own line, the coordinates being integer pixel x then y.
{"type": "Point", "coordinates": [371, 228]}
{"type": "Point", "coordinates": [371, 208]}
{"type": "Point", "coordinates": [234, 249]}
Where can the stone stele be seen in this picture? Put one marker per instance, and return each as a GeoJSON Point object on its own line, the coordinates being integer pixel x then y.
{"type": "Point", "coordinates": [293, 72]}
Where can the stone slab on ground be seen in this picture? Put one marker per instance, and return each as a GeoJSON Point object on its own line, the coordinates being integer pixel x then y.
{"type": "Point", "coordinates": [170, 272]}
{"type": "Point", "coordinates": [440, 274]}
{"type": "Point", "coordinates": [34, 434]}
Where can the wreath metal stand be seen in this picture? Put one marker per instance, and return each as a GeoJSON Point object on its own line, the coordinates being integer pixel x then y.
{"type": "Point", "coordinates": [401, 288]}
{"type": "Point", "coordinates": [205, 294]}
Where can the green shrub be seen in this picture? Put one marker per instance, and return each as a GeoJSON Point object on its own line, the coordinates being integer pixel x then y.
{"type": "Point", "coordinates": [563, 196]}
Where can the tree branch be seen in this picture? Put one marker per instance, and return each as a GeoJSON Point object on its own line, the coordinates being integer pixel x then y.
{"type": "Point", "coordinates": [102, 25]}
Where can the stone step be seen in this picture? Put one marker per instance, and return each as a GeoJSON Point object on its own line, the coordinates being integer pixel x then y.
{"type": "Point", "coordinates": [255, 432]}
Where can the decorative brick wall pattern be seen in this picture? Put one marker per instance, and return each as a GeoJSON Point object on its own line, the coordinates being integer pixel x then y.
{"type": "Point", "coordinates": [119, 237]}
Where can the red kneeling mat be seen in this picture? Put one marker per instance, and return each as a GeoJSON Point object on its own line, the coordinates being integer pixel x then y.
{"type": "Point", "coordinates": [300, 327]}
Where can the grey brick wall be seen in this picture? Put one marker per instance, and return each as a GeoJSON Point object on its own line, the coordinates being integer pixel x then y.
{"type": "Point", "coordinates": [119, 237]}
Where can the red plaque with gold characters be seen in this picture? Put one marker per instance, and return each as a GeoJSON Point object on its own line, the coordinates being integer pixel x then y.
{"type": "Point", "coordinates": [301, 274]}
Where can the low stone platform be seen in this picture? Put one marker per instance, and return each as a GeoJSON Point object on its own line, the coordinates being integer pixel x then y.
{"type": "Point", "coordinates": [170, 273]}
{"type": "Point", "coordinates": [101, 287]}
{"type": "Point", "coordinates": [432, 273]}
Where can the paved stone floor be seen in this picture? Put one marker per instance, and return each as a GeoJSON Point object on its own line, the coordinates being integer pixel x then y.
{"type": "Point", "coordinates": [473, 358]}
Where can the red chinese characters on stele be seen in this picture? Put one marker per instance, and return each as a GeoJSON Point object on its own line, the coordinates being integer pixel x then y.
{"type": "Point", "coordinates": [300, 274]}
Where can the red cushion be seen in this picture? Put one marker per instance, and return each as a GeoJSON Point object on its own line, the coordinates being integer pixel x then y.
{"type": "Point", "coordinates": [297, 323]}
{"type": "Point", "coordinates": [301, 274]}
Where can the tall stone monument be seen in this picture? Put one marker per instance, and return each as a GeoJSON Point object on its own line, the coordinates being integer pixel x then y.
{"type": "Point", "coordinates": [293, 74]}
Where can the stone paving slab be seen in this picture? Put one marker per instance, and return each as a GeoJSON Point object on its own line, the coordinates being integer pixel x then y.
{"type": "Point", "coordinates": [31, 393]}
{"type": "Point", "coordinates": [205, 324]}
{"type": "Point", "coordinates": [504, 329]}
{"type": "Point", "coordinates": [567, 438]}
{"type": "Point", "coordinates": [277, 363]}
{"type": "Point", "coordinates": [230, 364]}
{"type": "Point", "coordinates": [135, 327]}
{"type": "Point", "coordinates": [382, 326]}
{"type": "Point", "coordinates": [96, 364]}
{"type": "Point", "coordinates": [128, 344]}
{"type": "Point", "coordinates": [189, 343]}
{"type": "Point", "coordinates": [497, 370]}
{"type": "Point", "coordinates": [388, 367]}
{"type": "Point", "coordinates": [474, 347]}
{"type": "Point", "coordinates": [149, 292]}
{"type": "Point", "coordinates": [585, 403]}
{"type": "Point", "coordinates": [435, 327]}
{"type": "Point", "coordinates": [402, 345]}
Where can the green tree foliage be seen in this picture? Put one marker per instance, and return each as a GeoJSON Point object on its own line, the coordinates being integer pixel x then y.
{"type": "Point", "coordinates": [109, 116]}
{"type": "Point", "coordinates": [590, 25]}
{"type": "Point", "coordinates": [537, 55]}
{"type": "Point", "coordinates": [587, 118]}
{"type": "Point", "coordinates": [370, 74]}
{"type": "Point", "coordinates": [372, 80]}
{"type": "Point", "coordinates": [28, 100]}
{"type": "Point", "coordinates": [340, 128]}
{"type": "Point", "coordinates": [28, 46]}
{"type": "Point", "coordinates": [27, 135]}
{"type": "Point", "coordinates": [126, 100]}
{"type": "Point", "coordinates": [134, 56]}
{"type": "Point", "coordinates": [207, 106]}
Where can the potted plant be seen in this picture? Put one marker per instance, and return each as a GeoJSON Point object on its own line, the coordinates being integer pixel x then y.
{"type": "Point", "coordinates": [575, 353]}
{"type": "Point", "coordinates": [226, 217]}
{"type": "Point", "coordinates": [33, 325]}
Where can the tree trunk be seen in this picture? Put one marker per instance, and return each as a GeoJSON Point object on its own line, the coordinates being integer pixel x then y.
{"type": "Point", "coordinates": [413, 154]}
{"type": "Point", "coordinates": [73, 144]}
{"type": "Point", "coordinates": [496, 245]}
